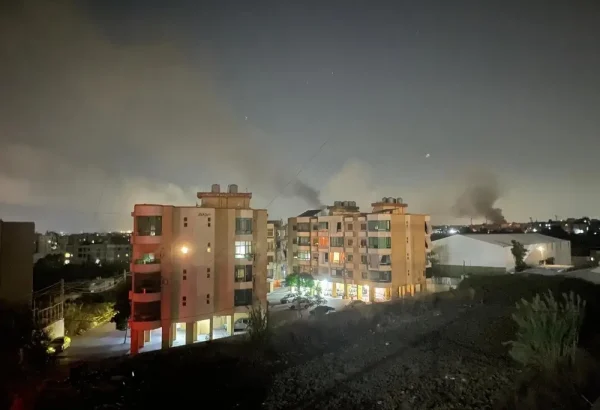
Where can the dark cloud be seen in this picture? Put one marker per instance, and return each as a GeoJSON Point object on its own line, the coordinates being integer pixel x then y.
{"type": "Point", "coordinates": [87, 122]}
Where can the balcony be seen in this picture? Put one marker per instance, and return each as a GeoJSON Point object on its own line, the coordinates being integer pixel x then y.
{"type": "Point", "coordinates": [380, 277]}
{"type": "Point", "coordinates": [146, 288]}
{"type": "Point", "coordinates": [145, 316]}
{"type": "Point", "coordinates": [145, 266]}
{"type": "Point", "coordinates": [143, 239]}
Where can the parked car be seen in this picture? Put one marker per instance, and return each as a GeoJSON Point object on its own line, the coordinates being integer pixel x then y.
{"type": "Point", "coordinates": [58, 345]}
{"type": "Point", "coordinates": [322, 310]}
{"type": "Point", "coordinates": [241, 325]}
{"type": "Point", "coordinates": [288, 298]}
{"type": "Point", "coordinates": [301, 302]}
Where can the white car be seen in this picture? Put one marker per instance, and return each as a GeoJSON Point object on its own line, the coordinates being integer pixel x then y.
{"type": "Point", "coordinates": [241, 325]}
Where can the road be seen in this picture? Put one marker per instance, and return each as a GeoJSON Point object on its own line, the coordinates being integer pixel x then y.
{"type": "Point", "coordinates": [105, 341]}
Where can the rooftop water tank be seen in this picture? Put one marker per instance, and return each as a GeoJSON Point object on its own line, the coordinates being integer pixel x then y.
{"type": "Point", "coordinates": [233, 189]}
{"type": "Point", "coordinates": [346, 203]}
{"type": "Point", "coordinates": [391, 200]}
{"type": "Point", "coordinates": [399, 200]}
{"type": "Point", "coordinates": [215, 188]}
{"type": "Point", "coordinates": [352, 203]}
{"type": "Point", "coordinates": [337, 203]}
{"type": "Point", "coordinates": [384, 199]}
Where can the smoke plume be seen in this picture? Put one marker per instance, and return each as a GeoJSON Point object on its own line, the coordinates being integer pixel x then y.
{"type": "Point", "coordinates": [95, 123]}
{"type": "Point", "coordinates": [479, 198]}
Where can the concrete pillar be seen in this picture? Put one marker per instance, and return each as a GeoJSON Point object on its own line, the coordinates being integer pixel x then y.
{"type": "Point", "coordinates": [402, 291]}
{"type": "Point", "coordinates": [173, 332]}
{"type": "Point", "coordinates": [359, 289]}
{"type": "Point", "coordinates": [135, 344]}
{"type": "Point", "coordinates": [371, 294]}
{"type": "Point", "coordinates": [166, 336]}
{"type": "Point", "coordinates": [229, 325]}
{"type": "Point", "coordinates": [334, 290]}
{"type": "Point", "coordinates": [211, 328]}
{"type": "Point", "coordinates": [191, 333]}
{"type": "Point", "coordinates": [147, 336]}
{"type": "Point", "coordinates": [140, 341]}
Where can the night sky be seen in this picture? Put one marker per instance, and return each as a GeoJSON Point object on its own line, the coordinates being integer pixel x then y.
{"type": "Point", "coordinates": [112, 103]}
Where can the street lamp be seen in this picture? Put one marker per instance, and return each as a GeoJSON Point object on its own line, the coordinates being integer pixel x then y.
{"type": "Point", "coordinates": [184, 250]}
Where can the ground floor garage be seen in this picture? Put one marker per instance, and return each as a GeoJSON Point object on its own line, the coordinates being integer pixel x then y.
{"type": "Point", "coordinates": [186, 333]}
{"type": "Point", "coordinates": [365, 293]}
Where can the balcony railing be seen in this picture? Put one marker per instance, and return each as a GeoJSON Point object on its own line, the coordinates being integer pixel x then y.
{"type": "Point", "coordinates": [147, 286]}
{"type": "Point", "coordinates": [146, 261]}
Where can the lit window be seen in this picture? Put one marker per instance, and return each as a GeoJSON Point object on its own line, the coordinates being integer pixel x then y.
{"type": "Point", "coordinates": [335, 257]}
{"type": "Point", "coordinates": [243, 249]}
{"type": "Point", "coordinates": [303, 255]}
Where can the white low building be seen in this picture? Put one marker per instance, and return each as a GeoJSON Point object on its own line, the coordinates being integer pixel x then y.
{"type": "Point", "coordinates": [458, 255]}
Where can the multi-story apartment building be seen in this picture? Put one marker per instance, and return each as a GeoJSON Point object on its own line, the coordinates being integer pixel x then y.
{"type": "Point", "coordinates": [98, 248]}
{"type": "Point", "coordinates": [17, 247]}
{"type": "Point", "coordinates": [276, 257]}
{"type": "Point", "coordinates": [375, 256]}
{"type": "Point", "coordinates": [196, 269]}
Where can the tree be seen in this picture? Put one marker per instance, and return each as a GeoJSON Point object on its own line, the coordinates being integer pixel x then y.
{"type": "Point", "coordinates": [122, 306]}
{"type": "Point", "coordinates": [292, 280]}
{"type": "Point", "coordinates": [519, 252]}
{"type": "Point", "coordinates": [306, 281]}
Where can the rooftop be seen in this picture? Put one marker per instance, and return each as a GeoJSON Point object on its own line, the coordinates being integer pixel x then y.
{"type": "Point", "coordinates": [505, 239]}
{"type": "Point", "coordinates": [310, 212]}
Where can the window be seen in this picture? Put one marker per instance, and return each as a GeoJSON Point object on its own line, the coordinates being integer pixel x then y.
{"type": "Point", "coordinates": [385, 260]}
{"type": "Point", "coordinates": [363, 227]}
{"type": "Point", "coordinates": [379, 226]}
{"type": "Point", "coordinates": [242, 297]}
{"type": "Point", "coordinates": [326, 257]}
{"type": "Point", "coordinates": [270, 233]}
{"type": "Point", "coordinates": [349, 258]}
{"type": "Point", "coordinates": [338, 226]}
{"type": "Point", "coordinates": [364, 275]}
{"type": "Point", "coordinates": [185, 224]}
{"type": "Point", "coordinates": [208, 269]}
{"type": "Point", "coordinates": [363, 259]}
{"type": "Point", "coordinates": [270, 259]}
{"type": "Point", "coordinates": [377, 276]}
{"type": "Point", "coordinates": [315, 257]}
{"type": "Point", "coordinates": [208, 247]}
{"type": "Point", "coordinates": [380, 243]}
{"type": "Point", "coordinates": [350, 242]}
{"type": "Point", "coordinates": [303, 255]}
{"type": "Point", "coordinates": [315, 241]}
{"type": "Point", "coordinates": [337, 242]}
{"type": "Point", "coordinates": [185, 219]}
{"type": "Point", "coordinates": [323, 226]}
{"type": "Point", "coordinates": [349, 273]}
{"type": "Point", "coordinates": [293, 227]}
{"type": "Point", "coordinates": [149, 225]}
{"type": "Point", "coordinates": [243, 226]}
{"type": "Point", "coordinates": [336, 257]}
{"type": "Point", "coordinates": [243, 273]}
{"type": "Point", "coordinates": [243, 249]}
{"type": "Point", "coordinates": [303, 241]}
{"type": "Point", "coordinates": [323, 241]}
{"type": "Point", "coordinates": [315, 227]}
{"type": "Point", "coordinates": [350, 227]}
{"type": "Point", "coordinates": [363, 243]}
{"type": "Point", "coordinates": [303, 227]}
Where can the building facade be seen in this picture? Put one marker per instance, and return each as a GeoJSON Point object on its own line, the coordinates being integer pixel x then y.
{"type": "Point", "coordinates": [17, 247]}
{"type": "Point", "coordinates": [375, 256]}
{"type": "Point", "coordinates": [196, 269]}
{"type": "Point", "coordinates": [276, 255]}
{"type": "Point", "coordinates": [473, 254]}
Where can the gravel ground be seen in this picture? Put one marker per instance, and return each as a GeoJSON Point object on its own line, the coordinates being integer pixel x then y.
{"type": "Point", "coordinates": [435, 360]}
{"type": "Point", "coordinates": [403, 355]}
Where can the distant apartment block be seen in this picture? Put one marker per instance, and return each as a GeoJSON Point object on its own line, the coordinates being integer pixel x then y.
{"type": "Point", "coordinates": [17, 245]}
{"type": "Point", "coordinates": [276, 256]}
{"type": "Point", "coordinates": [375, 256]}
{"type": "Point", "coordinates": [196, 269]}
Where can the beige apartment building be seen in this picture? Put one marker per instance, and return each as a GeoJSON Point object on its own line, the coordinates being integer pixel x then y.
{"type": "Point", "coordinates": [375, 256]}
{"type": "Point", "coordinates": [276, 241]}
{"type": "Point", "coordinates": [196, 269]}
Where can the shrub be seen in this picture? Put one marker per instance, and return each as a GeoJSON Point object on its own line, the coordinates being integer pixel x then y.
{"type": "Point", "coordinates": [259, 330]}
{"type": "Point", "coordinates": [548, 330]}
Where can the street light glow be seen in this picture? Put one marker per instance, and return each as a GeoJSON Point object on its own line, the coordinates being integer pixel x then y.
{"type": "Point", "coordinates": [184, 250]}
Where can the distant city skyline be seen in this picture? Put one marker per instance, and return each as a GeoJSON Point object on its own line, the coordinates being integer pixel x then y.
{"type": "Point", "coordinates": [148, 102]}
